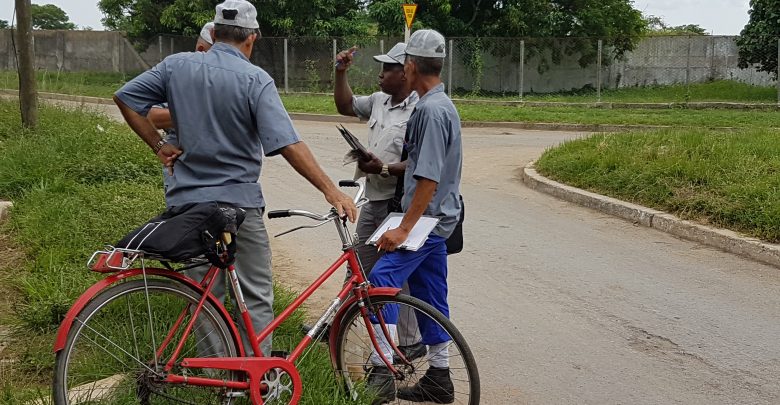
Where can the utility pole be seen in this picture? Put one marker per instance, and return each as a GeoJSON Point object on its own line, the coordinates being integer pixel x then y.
{"type": "Point", "coordinates": [28, 94]}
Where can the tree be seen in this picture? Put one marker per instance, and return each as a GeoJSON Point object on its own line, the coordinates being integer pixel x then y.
{"type": "Point", "coordinates": [143, 20]}
{"type": "Point", "coordinates": [656, 26]}
{"type": "Point", "coordinates": [616, 21]}
{"type": "Point", "coordinates": [28, 92]}
{"type": "Point", "coordinates": [50, 17]}
{"type": "Point", "coordinates": [3, 24]}
{"type": "Point", "coordinates": [758, 40]}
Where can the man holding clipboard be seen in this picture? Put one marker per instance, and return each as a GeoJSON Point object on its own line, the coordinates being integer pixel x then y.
{"type": "Point", "coordinates": [431, 188]}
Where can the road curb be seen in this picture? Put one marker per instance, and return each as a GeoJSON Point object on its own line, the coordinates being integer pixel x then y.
{"type": "Point", "coordinates": [5, 206]}
{"type": "Point", "coordinates": [722, 239]}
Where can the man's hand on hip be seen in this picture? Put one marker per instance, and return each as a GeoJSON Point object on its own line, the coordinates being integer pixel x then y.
{"type": "Point", "coordinates": [168, 155]}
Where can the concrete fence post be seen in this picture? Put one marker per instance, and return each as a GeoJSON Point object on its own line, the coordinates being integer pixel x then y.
{"type": "Point", "coordinates": [286, 83]}
{"type": "Point", "coordinates": [598, 73]}
{"type": "Point", "coordinates": [688, 64]}
{"type": "Point", "coordinates": [159, 47]}
{"type": "Point", "coordinates": [382, 46]}
{"type": "Point", "coordinates": [333, 57]}
{"type": "Point", "coordinates": [522, 69]}
{"type": "Point", "coordinates": [449, 71]}
{"type": "Point", "coordinates": [778, 71]}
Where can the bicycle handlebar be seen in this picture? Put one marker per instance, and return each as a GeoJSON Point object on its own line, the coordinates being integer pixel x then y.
{"type": "Point", "coordinates": [359, 200]}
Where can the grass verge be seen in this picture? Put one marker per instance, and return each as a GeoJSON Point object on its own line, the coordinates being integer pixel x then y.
{"type": "Point", "coordinates": [105, 84]}
{"type": "Point", "coordinates": [77, 182]}
{"type": "Point", "coordinates": [724, 178]}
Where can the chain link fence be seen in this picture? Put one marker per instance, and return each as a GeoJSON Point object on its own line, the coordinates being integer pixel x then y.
{"type": "Point", "coordinates": [659, 69]}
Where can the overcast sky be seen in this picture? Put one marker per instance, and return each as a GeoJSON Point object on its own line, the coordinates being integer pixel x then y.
{"type": "Point", "coordinates": [719, 17]}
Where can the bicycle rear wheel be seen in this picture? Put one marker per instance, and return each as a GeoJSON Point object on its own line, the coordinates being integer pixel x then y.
{"type": "Point", "coordinates": [110, 353]}
{"type": "Point", "coordinates": [354, 348]}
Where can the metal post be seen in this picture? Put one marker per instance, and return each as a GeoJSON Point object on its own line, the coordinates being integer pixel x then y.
{"type": "Point", "coordinates": [382, 46]}
{"type": "Point", "coordinates": [286, 83]}
{"type": "Point", "coordinates": [688, 63]}
{"type": "Point", "coordinates": [522, 68]}
{"type": "Point", "coordinates": [449, 72]}
{"type": "Point", "coordinates": [598, 73]}
{"type": "Point", "coordinates": [407, 33]}
{"type": "Point", "coordinates": [712, 58]}
{"type": "Point", "coordinates": [335, 52]}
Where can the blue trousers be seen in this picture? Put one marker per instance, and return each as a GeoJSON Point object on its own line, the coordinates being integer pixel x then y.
{"type": "Point", "coordinates": [426, 272]}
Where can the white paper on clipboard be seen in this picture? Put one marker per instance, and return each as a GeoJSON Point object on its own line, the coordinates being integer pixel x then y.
{"type": "Point", "coordinates": [417, 236]}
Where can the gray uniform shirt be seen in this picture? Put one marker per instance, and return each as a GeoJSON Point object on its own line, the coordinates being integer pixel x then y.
{"type": "Point", "coordinates": [435, 153]}
{"type": "Point", "coordinates": [386, 128]}
{"type": "Point", "coordinates": [226, 112]}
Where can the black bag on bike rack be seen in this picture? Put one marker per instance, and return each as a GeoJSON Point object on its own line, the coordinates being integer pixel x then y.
{"type": "Point", "coordinates": [188, 231]}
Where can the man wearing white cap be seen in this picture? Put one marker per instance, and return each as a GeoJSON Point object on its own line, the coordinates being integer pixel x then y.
{"type": "Point", "coordinates": [431, 187]}
{"type": "Point", "coordinates": [227, 114]}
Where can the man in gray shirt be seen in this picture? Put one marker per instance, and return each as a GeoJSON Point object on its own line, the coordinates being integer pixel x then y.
{"type": "Point", "coordinates": [431, 187]}
{"type": "Point", "coordinates": [227, 114]}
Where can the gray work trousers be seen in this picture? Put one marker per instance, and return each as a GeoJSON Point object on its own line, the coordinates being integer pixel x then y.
{"type": "Point", "coordinates": [253, 268]}
{"type": "Point", "coordinates": [371, 216]}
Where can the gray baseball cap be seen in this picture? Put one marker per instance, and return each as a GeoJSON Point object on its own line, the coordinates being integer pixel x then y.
{"type": "Point", "coordinates": [397, 54]}
{"type": "Point", "coordinates": [205, 33]}
{"type": "Point", "coordinates": [239, 13]}
{"type": "Point", "coordinates": [426, 43]}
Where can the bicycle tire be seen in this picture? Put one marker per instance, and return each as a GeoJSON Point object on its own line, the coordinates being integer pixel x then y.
{"type": "Point", "coordinates": [353, 349]}
{"type": "Point", "coordinates": [80, 376]}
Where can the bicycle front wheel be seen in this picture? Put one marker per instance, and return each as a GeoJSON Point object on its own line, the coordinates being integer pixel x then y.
{"type": "Point", "coordinates": [119, 343]}
{"type": "Point", "coordinates": [354, 351]}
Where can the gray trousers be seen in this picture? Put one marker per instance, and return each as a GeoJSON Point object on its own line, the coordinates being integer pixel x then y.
{"type": "Point", "coordinates": [371, 216]}
{"type": "Point", "coordinates": [253, 268]}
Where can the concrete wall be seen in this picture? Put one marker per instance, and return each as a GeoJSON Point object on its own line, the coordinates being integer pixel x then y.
{"type": "Point", "coordinates": [655, 61]}
{"type": "Point", "coordinates": [97, 51]}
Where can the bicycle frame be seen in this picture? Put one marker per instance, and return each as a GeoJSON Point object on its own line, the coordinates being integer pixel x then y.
{"type": "Point", "coordinates": [356, 289]}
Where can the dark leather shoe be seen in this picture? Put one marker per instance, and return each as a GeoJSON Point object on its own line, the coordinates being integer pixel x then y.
{"type": "Point", "coordinates": [382, 384]}
{"type": "Point", "coordinates": [435, 386]}
{"type": "Point", "coordinates": [411, 352]}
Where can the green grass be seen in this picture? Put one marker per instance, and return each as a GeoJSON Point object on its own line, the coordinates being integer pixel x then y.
{"type": "Point", "coordinates": [78, 182]}
{"type": "Point", "coordinates": [727, 179]}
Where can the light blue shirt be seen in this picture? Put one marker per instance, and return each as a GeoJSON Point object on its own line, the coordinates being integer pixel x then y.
{"type": "Point", "coordinates": [435, 153]}
{"type": "Point", "coordinates": [226, 113]}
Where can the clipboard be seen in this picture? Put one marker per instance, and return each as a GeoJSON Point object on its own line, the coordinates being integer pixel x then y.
{"type": "Point", "coordinates": [354, 143]}
{"type": "Point", "coordinates": [417, 236]}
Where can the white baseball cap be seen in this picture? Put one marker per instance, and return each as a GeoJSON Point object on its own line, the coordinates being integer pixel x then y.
{"type": "Point", "coordinates": [205, 33]}
{"type": "Point", "coordinates": [239, 13]}
{"type": "Point", "coordinates": [426, 43]}
{"type": "Point", "coordinates": [396, 54]}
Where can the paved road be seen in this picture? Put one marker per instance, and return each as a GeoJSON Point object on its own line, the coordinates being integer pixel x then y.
{"type": "Point", "coordinates": [563, 305]}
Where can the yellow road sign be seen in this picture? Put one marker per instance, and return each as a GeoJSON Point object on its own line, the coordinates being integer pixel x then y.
{"type": "Point", "coordinates": [409, 10]}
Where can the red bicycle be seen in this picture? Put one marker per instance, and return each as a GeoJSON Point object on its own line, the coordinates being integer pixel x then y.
{"type": "Point", "coordinates": [152, 335]}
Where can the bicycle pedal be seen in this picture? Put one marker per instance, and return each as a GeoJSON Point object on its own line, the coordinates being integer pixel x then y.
{"type": "Point", "coordinates": [280, 353]}
{"type": "Point", "coordinates": [235, 394]}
